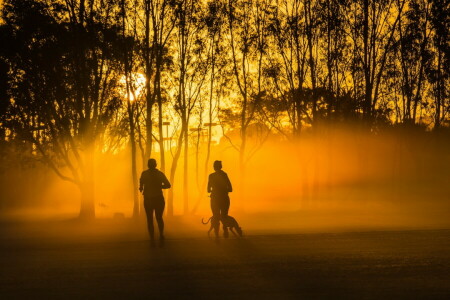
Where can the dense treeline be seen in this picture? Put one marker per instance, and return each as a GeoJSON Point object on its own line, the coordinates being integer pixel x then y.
{"type": "Point", "coordinates": [81, 77]}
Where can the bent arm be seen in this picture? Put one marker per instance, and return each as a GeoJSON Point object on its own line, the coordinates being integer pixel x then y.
{"type": "Point", "coordinates": [209, 189]}
{"type": "Point", "coordinates": [229, 186]}
{"type": "Point", "coordinates": [165, 182]}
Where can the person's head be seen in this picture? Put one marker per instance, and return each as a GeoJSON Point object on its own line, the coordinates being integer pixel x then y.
{"type": "Point", "coordinates": [151, 163]}
{"type": "Point", "coordinates": [217, 165]}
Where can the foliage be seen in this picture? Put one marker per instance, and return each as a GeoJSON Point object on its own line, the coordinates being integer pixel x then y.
{"type": "Point", "coordinates": [274, 67]}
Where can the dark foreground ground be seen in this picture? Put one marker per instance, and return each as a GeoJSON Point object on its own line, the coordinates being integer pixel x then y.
{"type": "Point", "coordinates": [57, 260]}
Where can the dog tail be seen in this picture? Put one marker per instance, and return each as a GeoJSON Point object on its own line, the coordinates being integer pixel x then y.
{"type": "Point", "coordinates": [204, 223]}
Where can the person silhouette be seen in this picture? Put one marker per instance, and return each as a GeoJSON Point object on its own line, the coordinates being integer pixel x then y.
{"type": "Point", "coordinates": [151, 183]}
{"type": "Point", "coordinates": [219, 185]}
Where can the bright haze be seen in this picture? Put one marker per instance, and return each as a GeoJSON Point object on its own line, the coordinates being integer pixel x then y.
{"type": "Point", "coordinates": [326, 115]}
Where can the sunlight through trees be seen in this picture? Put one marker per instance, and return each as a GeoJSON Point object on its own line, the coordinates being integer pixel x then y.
{"type": "Point", "coordinates": [173, 79]}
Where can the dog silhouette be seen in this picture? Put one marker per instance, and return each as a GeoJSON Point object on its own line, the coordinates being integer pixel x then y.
{"type": "Point", "coordinates": [228, 222]}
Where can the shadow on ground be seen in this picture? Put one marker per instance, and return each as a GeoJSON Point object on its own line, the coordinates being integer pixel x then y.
{"type": "Point", "coordinates": [114, 259]}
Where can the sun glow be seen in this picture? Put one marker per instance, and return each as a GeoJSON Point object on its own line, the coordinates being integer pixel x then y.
{"type": "Point", "coordinates": [136, 85]}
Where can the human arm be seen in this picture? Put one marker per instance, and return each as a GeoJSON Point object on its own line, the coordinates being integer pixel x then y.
{"type": "Point", "coordinates": [229, 186]}
{"type": "Point", "coordinates": [165, 182]}
{"type": "Point", "coordinates": [209, 188]}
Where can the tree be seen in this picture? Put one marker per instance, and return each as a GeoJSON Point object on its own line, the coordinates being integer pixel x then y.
{"type": "Point", "coordinates": [128, 50]}
{"type": "Point", "coordinates": [213, 19]}
{"type": "Point", "coordinates": [246, 44]}
{"type": "Point", "coordinates": [414, 56]}
{"type": "Point", "coordinates": [372, 26]}
{"type": "Point", "coordinates": [192, 69]}
{"type": "Point", "coordinates": [159, 23]}
{"type": "Point", "coordinates": [439, 70]}
{"type": "Point", "coordinates": [63, 78]}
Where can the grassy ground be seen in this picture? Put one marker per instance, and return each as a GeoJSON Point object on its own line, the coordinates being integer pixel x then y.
{"type": "Point", "coordinates": [107, 259]}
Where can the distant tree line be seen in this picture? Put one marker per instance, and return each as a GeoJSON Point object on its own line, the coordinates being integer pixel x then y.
{"type": "Point", "coordinates": [71, 76]}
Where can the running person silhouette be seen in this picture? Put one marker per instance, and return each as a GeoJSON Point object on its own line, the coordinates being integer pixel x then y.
{"type": "Point", "coordinates": [219, 186]}
{"type": "Point", "coordinates": [152, 182]}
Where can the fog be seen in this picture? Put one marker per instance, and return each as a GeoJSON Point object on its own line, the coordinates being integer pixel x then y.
{"type": "Point", "coordinates": [338, 179]}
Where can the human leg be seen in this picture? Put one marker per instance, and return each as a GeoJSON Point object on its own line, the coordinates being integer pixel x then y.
{"type": "Point", "coordinates": [149, 212]}
{"type": "Point", "coordinates": [215, 220]}
{"type": "Point", "coordinates": [224, 207]}
{"type": "Point", "coordinates": [159, 210]}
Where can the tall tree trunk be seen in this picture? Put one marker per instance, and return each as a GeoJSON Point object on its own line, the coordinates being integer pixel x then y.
{"type": "Point", "coordinates": [367, 66]}
{"type": "Point", "coordinates": [136, 210]}
{"type": "Point", "coordinates": [202, 189]}
{"type": "Point", "coordinates": [130, 108]}
{"type": "Point", "coordinates": [185, 171]}
{"type": "Point", "coordinates": [87, 209]}
{"type": "Point", "coordinates": [437, 119]}
{"type": "Point", "coordinates": [162, 150]}
{"type": "Point", "coordinates": [148, 92]}
{"type": "Point", "coordinates": [173, 170]}
{"type": "Point", "coordinates": [312, 66]}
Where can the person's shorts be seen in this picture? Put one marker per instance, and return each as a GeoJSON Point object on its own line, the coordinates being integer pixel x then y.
{"type": "Point", "coordinates": [154, 202]}
{"type": "Point", "coordinates": [220, 200]}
